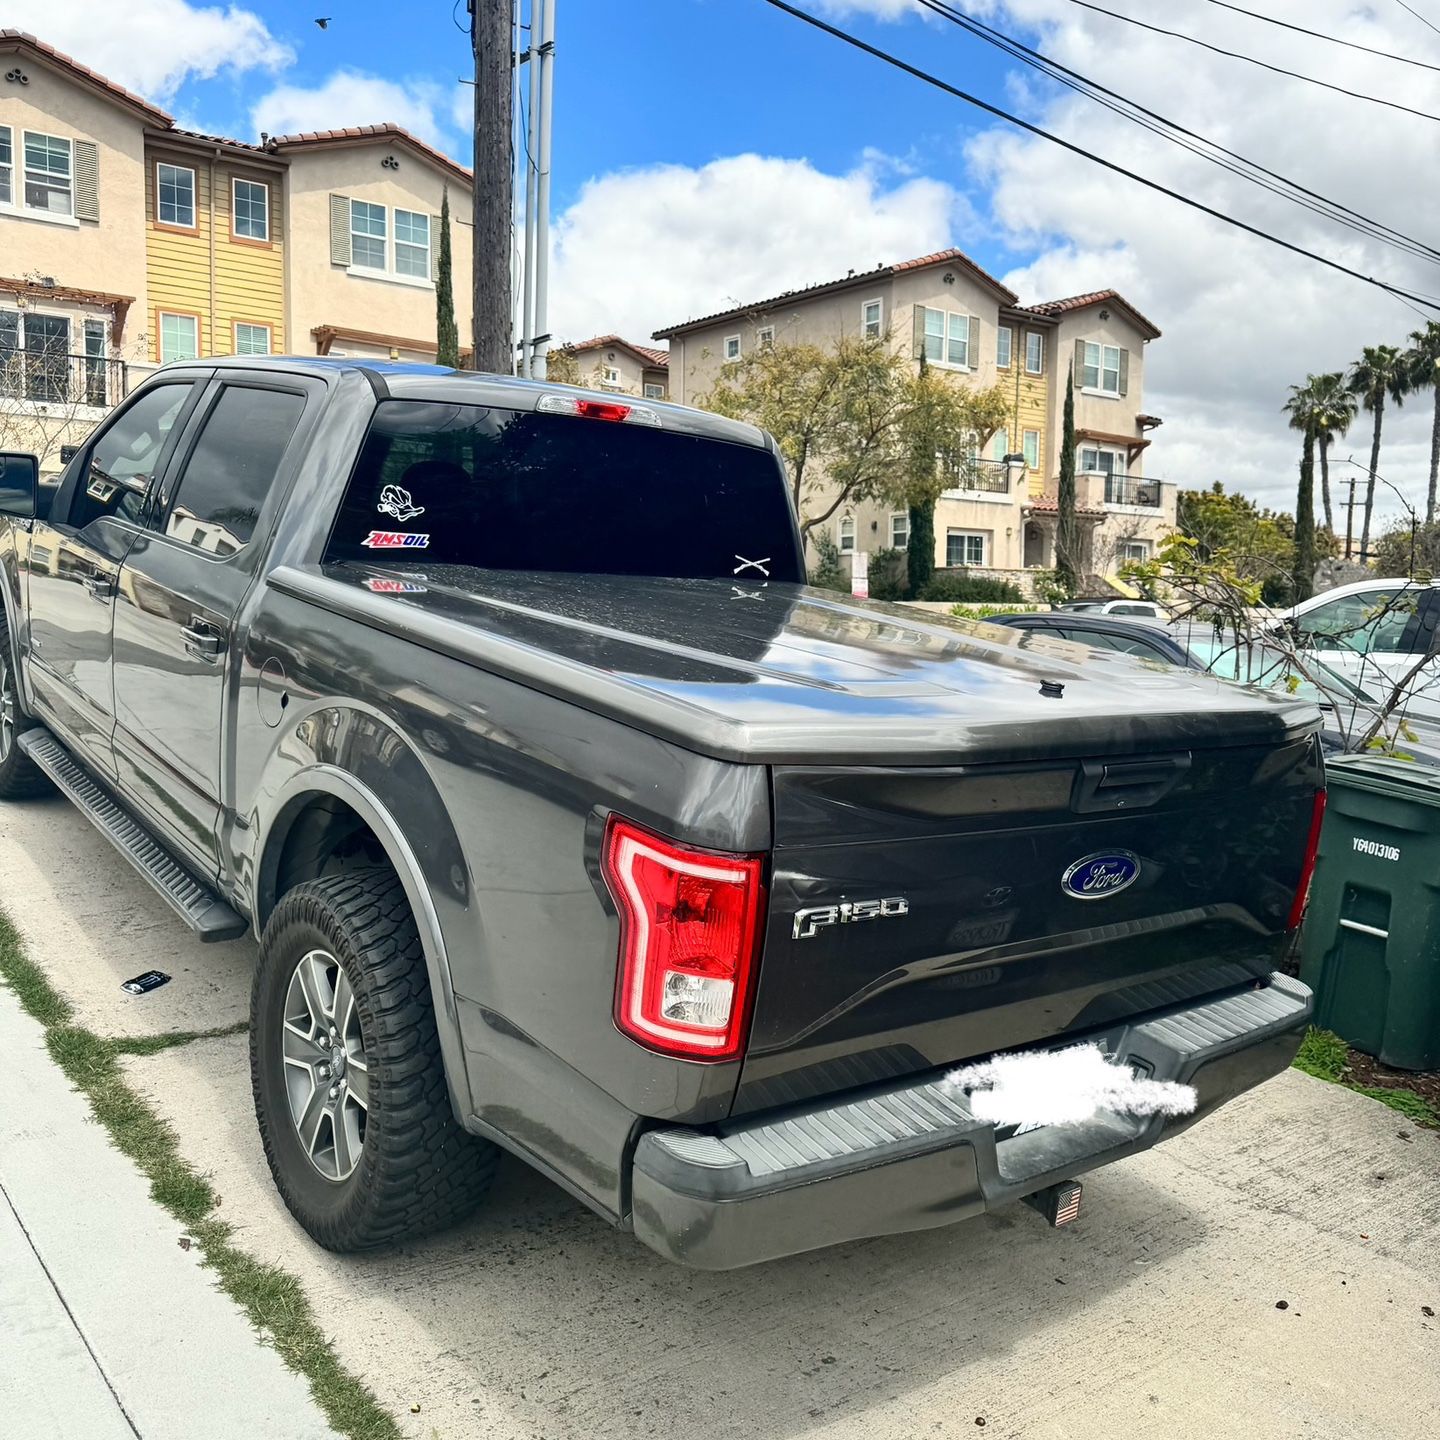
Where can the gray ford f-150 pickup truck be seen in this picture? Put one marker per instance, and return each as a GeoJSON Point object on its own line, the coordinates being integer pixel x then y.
{"type": "Point", "coordinates": [569, 821]}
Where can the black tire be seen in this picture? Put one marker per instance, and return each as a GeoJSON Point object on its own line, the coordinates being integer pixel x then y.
{"type": "Point", "coordinates": [418, 1170]}
{"type": "Point", "coordinates": [20, 777]}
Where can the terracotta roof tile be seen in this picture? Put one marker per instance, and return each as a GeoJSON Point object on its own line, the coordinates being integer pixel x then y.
{"type": "Point", "coordinates": [353, 133]}
{"type": "Point", "coordinates": [1048, 505]}
{"type": "Point", "coordinates": [881, 272]}
{"type": "Point", "coordinates": [215, 139]}
{"type": "Point", "coordinates": [1095, 297]}
{"type": "Point", "coordinates": [660, 359]}
{"type": "Point", "coordinates": [22, 40]}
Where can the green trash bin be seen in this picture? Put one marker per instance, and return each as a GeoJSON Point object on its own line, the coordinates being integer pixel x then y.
{"type": "Point", "coordinates": [1371, 944]}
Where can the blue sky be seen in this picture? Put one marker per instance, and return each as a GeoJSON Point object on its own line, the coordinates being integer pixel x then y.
{"type": "Point", "coordinates": [717, 151]}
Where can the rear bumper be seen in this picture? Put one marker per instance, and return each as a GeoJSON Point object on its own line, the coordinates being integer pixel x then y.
{"type": "Point", "coordinates": [911, 1156]}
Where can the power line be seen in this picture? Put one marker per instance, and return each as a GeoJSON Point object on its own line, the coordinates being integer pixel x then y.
{"type": "Point", "coordinates": [1418, 16]}
{"type": "Point", "coordinates": [1159, 125]}
{"type": "Point", "coordinates": [1251, 60]}
{"type": "Point", "coordinates": [873, 50]}
{"type": "Point", "coordinates": [1321, 35]}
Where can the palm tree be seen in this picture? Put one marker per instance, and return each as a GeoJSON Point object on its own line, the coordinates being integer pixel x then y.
{"type": "Point", "coordinates": [1302, 407]}
{"type": "Point", "coordinates": [1424, 363]}
{"type": "Point", "coordinates": [1333, 413]}
{"type": "Point", "coordinates": [1380, 371]}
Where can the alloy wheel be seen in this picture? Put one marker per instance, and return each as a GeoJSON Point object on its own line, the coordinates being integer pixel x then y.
{"type": "Point", "coordinates": [8, 709]}
{"type": "Point", "coordinates": [326, 1078]}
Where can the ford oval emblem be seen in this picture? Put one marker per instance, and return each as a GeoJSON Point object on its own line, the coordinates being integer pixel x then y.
{"type": "Point", "coordinates": [1097, 877]}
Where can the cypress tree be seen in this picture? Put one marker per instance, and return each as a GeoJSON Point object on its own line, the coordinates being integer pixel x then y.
{"type": "Point", "coordinates": [447, 334]}
{"type": "Point", "coordinates": [1067, 529]}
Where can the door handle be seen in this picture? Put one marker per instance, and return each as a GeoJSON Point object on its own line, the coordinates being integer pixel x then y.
{"type": "Point", "coordinates": [202, 639]}
{"type": "Point", "coordinates": [97, 586]}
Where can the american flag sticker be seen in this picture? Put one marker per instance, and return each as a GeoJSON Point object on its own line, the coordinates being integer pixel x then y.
{"type": "Point", "coordinates": [1068, 1206]}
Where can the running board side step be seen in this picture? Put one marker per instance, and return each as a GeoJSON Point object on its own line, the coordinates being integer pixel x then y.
{"type": "Point", "coordinates": [193, 901]}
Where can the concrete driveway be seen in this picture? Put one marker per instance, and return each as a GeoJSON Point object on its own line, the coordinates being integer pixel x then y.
{"type": "Point", "coordinates": [1158, 1314]}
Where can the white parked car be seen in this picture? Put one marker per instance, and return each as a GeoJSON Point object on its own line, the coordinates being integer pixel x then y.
{"type": "Point", "coordinates": [1373, 632]}
{"type": "Point", "coordinates": [1136, 609]}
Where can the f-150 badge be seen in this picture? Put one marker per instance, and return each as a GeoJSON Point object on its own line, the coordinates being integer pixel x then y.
{"type": "Point", "coordinates": [1097, 877]}
{"type": "Point", "coordinates": [815, 918]}
{"type": "Point", "coordinates": [397, 504]}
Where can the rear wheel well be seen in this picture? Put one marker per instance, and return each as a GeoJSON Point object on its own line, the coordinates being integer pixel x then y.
{"type": "Point", "coordinates": [326, 837]}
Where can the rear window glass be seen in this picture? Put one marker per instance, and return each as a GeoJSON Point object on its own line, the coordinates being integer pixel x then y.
{"type": "Point", "coordinates": [497, 489]}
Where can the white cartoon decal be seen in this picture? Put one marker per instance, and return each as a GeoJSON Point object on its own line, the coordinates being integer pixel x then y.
{"type": "Point", "coordinates": [397, 504]}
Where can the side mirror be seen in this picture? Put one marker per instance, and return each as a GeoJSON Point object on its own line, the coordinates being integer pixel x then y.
{"type": "Point", "coordinates": [19, 485]}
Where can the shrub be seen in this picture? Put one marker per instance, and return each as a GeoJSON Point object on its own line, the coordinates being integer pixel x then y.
{"type": "Point", "coordinates": [888, 577]}
{"type": "Point", "coordinates": [946, 585]}
{"type": "Point", "coordinates": [828, 572]}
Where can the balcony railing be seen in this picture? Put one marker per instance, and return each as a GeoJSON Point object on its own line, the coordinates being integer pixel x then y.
{"type": "Point", "coordinates": [50, 378]}
{"type": "Point", "coordinates": [967, 473]}
{"type": "Point", "coordinates": [1121, 490]}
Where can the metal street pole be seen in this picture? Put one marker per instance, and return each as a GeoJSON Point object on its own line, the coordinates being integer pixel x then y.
{"type": "Point", "coordinates": [540, 335]}
{"type": "Point", "coordinates": [491, 305]}
{"type": "Point", "coordinates": [532, 148]}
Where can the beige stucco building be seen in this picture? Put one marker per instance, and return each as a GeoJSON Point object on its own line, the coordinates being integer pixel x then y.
{"type": "Point", "coordinates": [968, 325]}
{"type": "Point", "coordinates": [606, 362]}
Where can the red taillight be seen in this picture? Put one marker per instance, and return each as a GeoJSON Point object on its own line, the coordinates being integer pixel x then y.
{"type": "Point", "coordinates": [1307, 867]}
{"type": "Point", "coordinates": [601, 410]}
{"type": "Point", "coordinates": [689, 938]}
{"type": "Point", "coordinates": [611, 410]}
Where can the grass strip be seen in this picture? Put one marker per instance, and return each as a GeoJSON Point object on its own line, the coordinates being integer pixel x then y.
{"type": "Point", "coordinates": [271, 1297]}
{"type": "Point", "coordinates": [1326, 1056]}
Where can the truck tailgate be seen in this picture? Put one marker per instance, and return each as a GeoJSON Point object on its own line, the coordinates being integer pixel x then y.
{"type": "Point", "coordinates": [1188, 862]}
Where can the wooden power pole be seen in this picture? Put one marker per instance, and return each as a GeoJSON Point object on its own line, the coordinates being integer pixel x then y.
{"type": "Point", "coordinates": [492, 312]}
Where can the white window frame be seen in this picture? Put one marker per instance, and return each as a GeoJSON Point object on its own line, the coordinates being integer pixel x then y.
{"type": "Point", "coordinates": [725, 345]}
{"type": "Point", "coordinates": [765, 337]}
{"type": "Point", "coordinates": [1005, 334]}
{"type": "Point", "coordinates": [161, 316]}
{"type": "Point", "coordinates": [7, 197]}
{"type": "Point", "coordinates": [49, 176]}
{"type": "Point", "coordinates": [384, 238]}
{"type": "Point", "coordinates": [872, 329]}
{"type": "Point", "coordinates": [654, 391]}
{"type": "Point", "coordinates": [899, 520]}
{"type": "Point", "coordinates": [410, 245]}
{"type": "Point", "coordinates": [1038, 368]}
{"type": "Point", "coordinates": [254, 325]}
{"type": "Point", "coordinates": [1100, 368]}
{"type": "Point", "coordinates": [967, 536]}
{"type": "Point", "coordinates": [1142, 546]}
{"type": "Point", "coordinates": [236, 181]}
{"type": "Point", "coordinates": [1117, 461]}
{"type": "Point", "coordinates": [193, 222]}
{"type": "Point", "coordinates": [1026, 447]}
{"type": "Point", "coordinates": [610, 376]}
{"type": "Point", "coordinates": [842, 537]}
{"type": "Point", "coordinates": [947, 338]}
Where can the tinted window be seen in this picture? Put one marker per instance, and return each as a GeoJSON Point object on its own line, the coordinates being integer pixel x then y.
{"type": "Point", "coordinates": [126, 455]}
{"type": "Point", "coordinates": [1108, 640]}
{"type": "Point", "coordinates": [232, 467]}
{"type": "Point", "coordinates": [1132, 610]}
{"type": "Point", "coordinates": [501, 490]}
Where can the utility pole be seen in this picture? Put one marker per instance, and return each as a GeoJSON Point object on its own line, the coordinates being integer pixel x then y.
{"type": "Point", "coordinates": [491, 311]}
{"type": "Point", "coordinates": [1350, 521]}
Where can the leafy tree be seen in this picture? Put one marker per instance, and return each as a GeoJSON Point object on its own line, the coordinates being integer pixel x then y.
{"type": "Point", "coordinates": [1067, 525]}
{"type": "Point", "coordinates": [562, 367]}
{"type": "Point", "coordinates": [1258, 543]}
{"type": "Point", "coordinates": [828, 571]}
{"type": "Point", "coordinates": [447, 335]}
{"type": "Point", "coordinates": [1321, 408]}
{"type": "Point", "coordinates": [855, 422]}
{"type": "Point", "coordinates": [920, 549]}
{"type": "Point", "coordinates": [1423, 360]}
{"type": "Point", "coordinates": [1380, 372]}
{"type": "Point", "coordinates": [1409, 551]}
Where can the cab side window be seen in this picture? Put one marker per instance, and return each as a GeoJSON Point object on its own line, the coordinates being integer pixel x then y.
{"type": "Point", "coordinates": [125, 458]}
{"type": "Point", "coordinates": [1374, 621]}
{"type": "Point", "coordinates": [232, 468]}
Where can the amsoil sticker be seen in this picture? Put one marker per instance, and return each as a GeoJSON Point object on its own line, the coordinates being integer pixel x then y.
{"type": "Point", "coordinates": [395, 502]}
{"type": "Point", "coordinates": [395, 540]}
{"type": "Point", "coordinates": [380, 586]}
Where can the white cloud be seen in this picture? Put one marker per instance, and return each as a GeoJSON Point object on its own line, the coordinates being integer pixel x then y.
{"type": "Point", "coordinates": [657, 246]}
{"type": "Point", "coordinates": [152, 46]}
{"type": "Point", "coordinates": [350, 97]}
{"type": "Point", "coordinates": [1243, 320]}
{"type": "Point", "coordinates": [877, 9]}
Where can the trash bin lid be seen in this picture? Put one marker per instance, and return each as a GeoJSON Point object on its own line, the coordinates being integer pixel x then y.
{"type": "Point", "coordinates": [1407, 778]}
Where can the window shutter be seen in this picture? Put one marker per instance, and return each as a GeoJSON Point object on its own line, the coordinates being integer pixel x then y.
{"type": "Point", "coordinates": [1079, 362]}
{"type": "Point", "coordinates": [917, 339]}
{"type": "Point", "coordinates": [435, 247]}
{"type": "Point", "coordinates": [87, 180]}
{"type": "Point", "coordinates": [1124, 371]}
{"type": "Point", "coordinates": [972, 348]}
{"type": "Point", "coordinates": [339, 229]}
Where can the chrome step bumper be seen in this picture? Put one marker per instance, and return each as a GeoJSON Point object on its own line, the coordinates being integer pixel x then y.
{"type": "Point", "coordinates": [911, 1155]}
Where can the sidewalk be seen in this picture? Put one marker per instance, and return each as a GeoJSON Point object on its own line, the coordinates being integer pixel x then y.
{"type": "Point", "coordinates": [109, 1329]}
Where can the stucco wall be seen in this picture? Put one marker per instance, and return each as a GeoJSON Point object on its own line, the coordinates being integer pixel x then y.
{"type": "Point", "coordinates": [1113, 415]}
{"type": "Point", "coordinates": [321, 293]}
